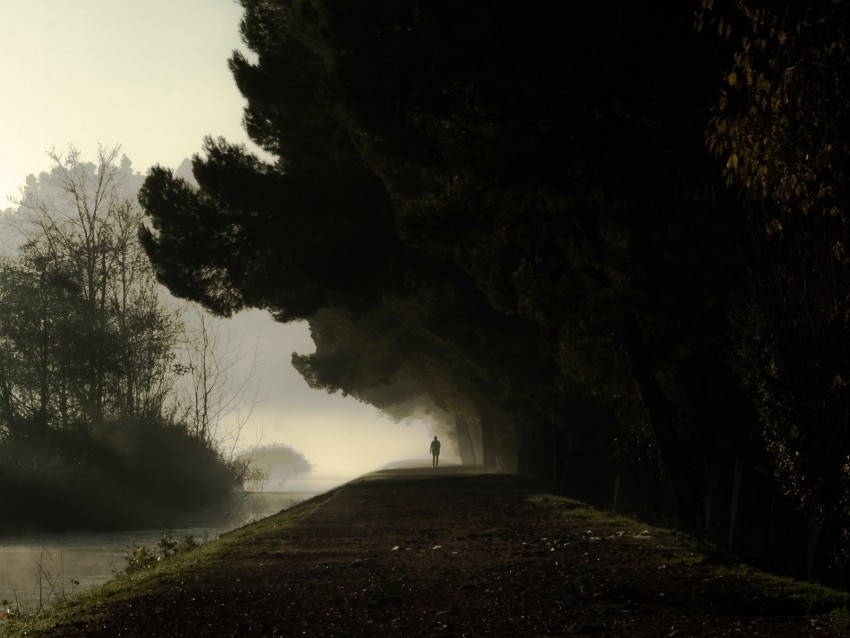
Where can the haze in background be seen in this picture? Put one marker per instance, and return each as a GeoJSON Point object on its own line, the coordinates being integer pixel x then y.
{"type": "Point", "coordinates": [152, 76]}
{"type": "Point", "coordinates": [340, 436]}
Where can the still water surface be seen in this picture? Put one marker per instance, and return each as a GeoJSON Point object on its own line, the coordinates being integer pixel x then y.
{"type": "Point", "coordinates": [39, 568]}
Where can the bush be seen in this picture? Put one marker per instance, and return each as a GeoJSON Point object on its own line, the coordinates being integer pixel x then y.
{"type": "Point", "coordinates": [126, 476]}
{"type": "Point", "coordinates": [140, 557]}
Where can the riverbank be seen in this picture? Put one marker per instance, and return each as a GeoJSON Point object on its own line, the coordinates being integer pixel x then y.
{"type": "Point", "coordinates": [447, 552]}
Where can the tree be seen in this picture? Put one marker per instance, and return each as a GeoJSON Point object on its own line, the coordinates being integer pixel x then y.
{"type": "Point", "coordinates": [277, 464]}
{"type": "Point", "coordinates": [91, 432]}
{"type": "Point", "coordinates": [81, 224]}
{"type": "Point", "coordinates": [494, 229]}
{"type": "Point", "coordinates": [216, 391]}
{"type": "Point", "coordinates": [547, 187]}
{"type": "Point", "coordinates": [781, 130]}
{"type": "Point", "coordinates": [38, 373]}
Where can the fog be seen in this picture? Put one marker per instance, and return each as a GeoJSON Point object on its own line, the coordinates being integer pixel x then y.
{"type": "Point", "coordinates": [340, 437]}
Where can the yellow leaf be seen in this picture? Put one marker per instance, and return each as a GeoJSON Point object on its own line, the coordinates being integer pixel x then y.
{"type": "Point", "coordinates": [732, 162]}
{"type": "Point", "coordinates": [732, 78]}
{"type": "Point", "coordinates": [772, 227]}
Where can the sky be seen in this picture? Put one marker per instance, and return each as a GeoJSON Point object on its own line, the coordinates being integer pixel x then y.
{"type": "Point", "coordinates": [152, 77]}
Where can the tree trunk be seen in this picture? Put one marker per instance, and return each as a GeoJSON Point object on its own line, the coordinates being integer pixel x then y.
{"type": "Point", "coordinates": [489, 431]}
{"type": "Point", "coordinates": [532, 462]}
{"type": "Point", "coordinates": [736, 496]}
{"type": "Point", "coordinates": [507, 448]}
{"type": "Point", "coordinates": [541, 453]}
{"type": "Point", "coordinates": [465, 446]}
{"type": "Point", "coordinates": [616, 493]}
{"type": "Point", "coordinates": [488, 441]}
{"type": "Point", "coordinates": [813, 540]}
{"type": "Point", "coordinates": [673, 452]}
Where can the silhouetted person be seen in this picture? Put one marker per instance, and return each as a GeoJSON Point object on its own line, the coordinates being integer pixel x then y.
{"type": "Point", "coordinates": [435, 452]}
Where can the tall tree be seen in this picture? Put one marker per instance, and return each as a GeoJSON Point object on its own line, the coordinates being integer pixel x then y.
{"type": "Point", "coordinates": [81, 221]}
{"type": "Point", "coordinates": [39, 328]}
{"type": "Point", "coordinates": [782, 130]}
{"type": "Point", "coordinates": [508, 189]}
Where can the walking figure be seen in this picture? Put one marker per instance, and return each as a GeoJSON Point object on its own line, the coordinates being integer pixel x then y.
{"type": "Point", "coordinates": [435, 452]}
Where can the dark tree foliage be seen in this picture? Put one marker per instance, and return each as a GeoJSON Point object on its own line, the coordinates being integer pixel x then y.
{"type": "Point", "coordinates": [509, 209]}
{"type": "Point", "coordinates": [253, 236]}
{"type": "Point", "coordinates": [783, 132]}
{"type": "Point", "coordinates": [465, 177]}
{"type": "Point", "coordinates": [565, 199]}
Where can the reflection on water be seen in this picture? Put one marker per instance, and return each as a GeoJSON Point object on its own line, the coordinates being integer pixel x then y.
{"type": "Point", "coordinates": [39, 568]}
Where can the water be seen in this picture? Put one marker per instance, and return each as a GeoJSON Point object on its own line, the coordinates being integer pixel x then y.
{"type": "Point", "coordinates": [38, 569]}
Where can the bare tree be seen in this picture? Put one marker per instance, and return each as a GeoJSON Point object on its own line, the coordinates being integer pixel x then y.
{"type": "Point", "coordinates": [221, 392]}
{"type": "Point", "coordinates": [80, 223]}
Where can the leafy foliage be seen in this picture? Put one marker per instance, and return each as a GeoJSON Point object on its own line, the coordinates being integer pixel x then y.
{"type": "Point", "coordinates": [782, 129]}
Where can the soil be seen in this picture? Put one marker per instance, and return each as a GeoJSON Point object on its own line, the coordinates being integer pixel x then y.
{"type": "Point", "coordinates": [453, 552]}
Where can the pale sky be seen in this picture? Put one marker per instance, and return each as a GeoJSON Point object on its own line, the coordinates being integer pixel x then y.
{"type": "Point", "coordinates": [152, 76]}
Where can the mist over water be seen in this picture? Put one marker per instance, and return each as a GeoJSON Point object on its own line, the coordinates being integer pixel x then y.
{"type": "Point", "coordinates": [41, 568]}
{"type": "Point", "coordinates": [47, 567]}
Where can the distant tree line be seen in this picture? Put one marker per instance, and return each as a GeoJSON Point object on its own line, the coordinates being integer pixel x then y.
{"type": "Point", "coordinates": [93, 433]}
{"type": "Point", "coordinates": [610, 239]}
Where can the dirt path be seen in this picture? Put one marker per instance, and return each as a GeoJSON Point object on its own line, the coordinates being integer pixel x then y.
{"type": "Point", "coordinates": [450, 552]}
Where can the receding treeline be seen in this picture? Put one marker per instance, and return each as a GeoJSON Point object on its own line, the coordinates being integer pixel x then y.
{"type": "Point", "coordinates": [609, 242]}
{"type": "Point", "coordinates": [110, 398]}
